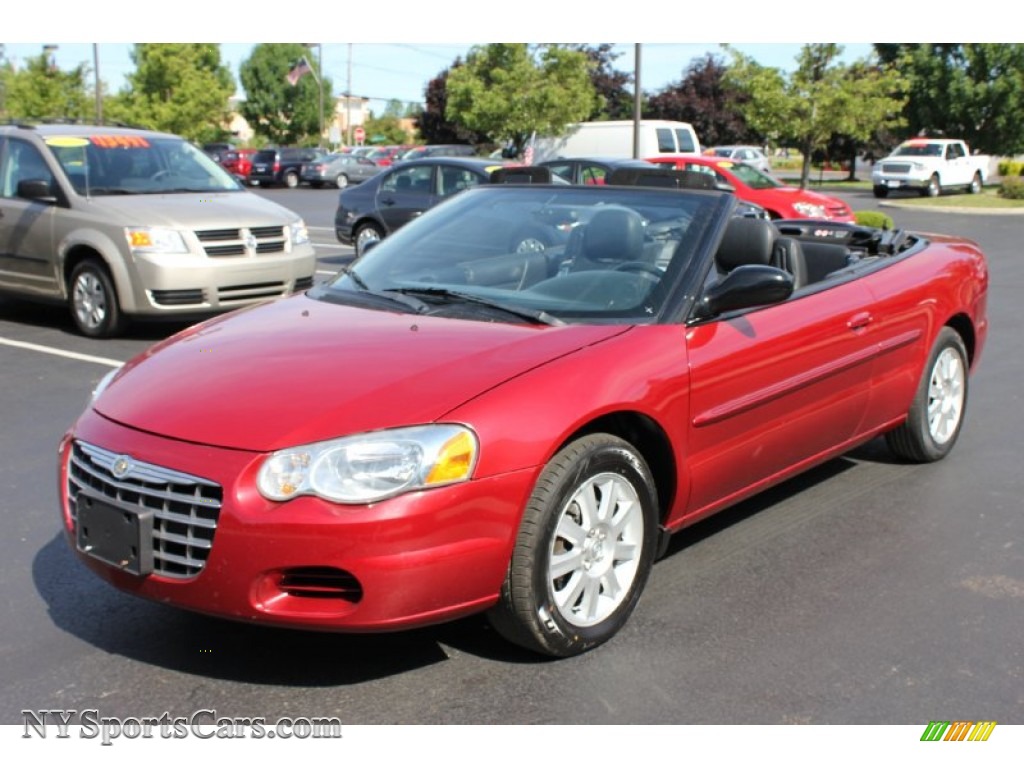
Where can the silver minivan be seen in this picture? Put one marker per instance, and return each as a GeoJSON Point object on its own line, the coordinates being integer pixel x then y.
{"type": "Point", "coordinates": [121, 222]}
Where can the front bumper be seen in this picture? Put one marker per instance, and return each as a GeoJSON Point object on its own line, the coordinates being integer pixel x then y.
{"type": "Point", "coordinates": [416, 559]}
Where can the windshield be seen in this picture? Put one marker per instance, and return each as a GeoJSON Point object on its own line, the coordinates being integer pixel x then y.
{"type": "Point", "coordinates": [919, 150]}
{"type": "Point", "coordinates": [752, 177]}
{"type": "Point", "coordinates": [137, 165]}
{"type": "Point", "coordinates": [540, 252]}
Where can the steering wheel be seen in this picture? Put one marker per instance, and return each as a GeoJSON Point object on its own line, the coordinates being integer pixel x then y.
{"type": "Point", "coordinates": [163, 174]}
{"type": "Point", "coordinates": [639, 266]}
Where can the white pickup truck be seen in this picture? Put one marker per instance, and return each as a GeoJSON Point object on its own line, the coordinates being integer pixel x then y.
{"type": "Point", "coordinates": [929, 166]}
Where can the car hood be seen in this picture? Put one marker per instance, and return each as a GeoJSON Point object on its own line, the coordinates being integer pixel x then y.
{"type": "Point", "coordinates": [298, 371]}
{"type": "Point", "coordinates": [190, 210]}
{"type": "Point", "coordinates": [790, 195]}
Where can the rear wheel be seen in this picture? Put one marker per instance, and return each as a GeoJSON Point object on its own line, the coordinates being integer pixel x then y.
{"type": "Point", "coordinates": [366, 234]}
{"type": "Point", "coordinates": [341, 181]}
{"type": "Point", "coordinates": [93, 300]}
{"type": "Point", "coordinates": [584, 549]}
{"type": "Point", "coordinates": [937, 413]}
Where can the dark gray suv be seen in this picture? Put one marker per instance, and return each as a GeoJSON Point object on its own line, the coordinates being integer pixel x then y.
{"type": "Point", "coordinates": [281, 165]}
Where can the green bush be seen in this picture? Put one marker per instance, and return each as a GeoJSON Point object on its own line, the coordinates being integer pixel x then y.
{"type": "Point", "coordinates": [875, 219]}
{"type": "Point", "coordinates": [1012, 188]}
{"type": "Point", "coordinates": [1010, 167]}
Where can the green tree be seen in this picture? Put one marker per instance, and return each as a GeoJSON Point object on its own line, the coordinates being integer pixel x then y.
{"type": "Point", "coordinates": [181, 88]}
{"type": "Point", "coordinates": [386, 129]}
{"type": "Point", "coordinates": [40, 90]}
{"type": "Point", "coordinates": [818, 100]}
{"type": "Point", "coordinates": [277, 110]}
{"type": "Point", "coordinates": [969, 91]}
{"type": "Point", "coordinates": [509, 90]}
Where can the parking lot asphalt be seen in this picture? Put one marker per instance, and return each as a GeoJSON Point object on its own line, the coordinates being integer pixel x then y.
{"type": "Point", "coordinates": [866, 591]}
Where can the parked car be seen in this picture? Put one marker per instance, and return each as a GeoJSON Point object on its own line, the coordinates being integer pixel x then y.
{"type": "Point", "coordinates": [120, 223]}
{"type": "Point", "coordinates": [385, 156]}
{"type": "Point", "coordinates": [615, 138]}
{"type": "Point", "coordinates": [217, 149]}
{"type": "Point", "coordinates": [281, 165]}
{"type": "Point", "coordinates": [437, 150]}
{"type": "Point", "coordinates": [338, 170]}
{"type": "Point", "coordinates": [782, 201]}
{"type": "Point", "coordinates": [754, 156]}
{"type": "Point", "coordinates": [525, 430]}
{"type": "Point", "coordinates": [373, 210]}
{"type": "Point", "coordinates": [590, 170]}
{"type": "Point", "coordinates": [238, 162]}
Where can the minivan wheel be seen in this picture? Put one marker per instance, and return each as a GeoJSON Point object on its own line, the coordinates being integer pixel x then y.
{"type": "Point", "coordinates": [93, 300]}
{"type": "Point", "coordinates": [291, 179]}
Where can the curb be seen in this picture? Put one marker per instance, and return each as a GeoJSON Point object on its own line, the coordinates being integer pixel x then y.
{"type": "Point", "coordinates": [953, 209]}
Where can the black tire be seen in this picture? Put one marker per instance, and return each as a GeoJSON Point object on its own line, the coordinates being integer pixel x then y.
{"type": "Point", "coordinates": [366, 233]}
{"type": "Point", "coordinates": [566, 608]}
{"type": "Point", "coordinates": [937, 413]}
{"type": "Point", "coordinates": [291, 179]}
{"type": "Point", "coordinates": [934, 188]}
{"type": "Point", "coordinates": [881, 191]}
{"type": "Point", "coordinates": [341, 181]}
{"type": "Point", "coordinates": [976, 185]}
{"type": "Point", "coordinates": [93, 302]}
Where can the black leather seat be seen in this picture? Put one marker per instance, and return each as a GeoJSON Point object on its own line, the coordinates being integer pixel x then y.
{"type": "Point", "coordinates": [788, 255]}
{"type": "Point", "coordinates": [746, 241]}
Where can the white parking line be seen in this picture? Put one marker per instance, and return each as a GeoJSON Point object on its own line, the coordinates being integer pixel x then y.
{"type": "Point", "coordinates": [63, 353]}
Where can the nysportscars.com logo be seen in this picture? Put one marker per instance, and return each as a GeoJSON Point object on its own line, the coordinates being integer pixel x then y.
{"type": "Point", "coordinates": [958, 730]}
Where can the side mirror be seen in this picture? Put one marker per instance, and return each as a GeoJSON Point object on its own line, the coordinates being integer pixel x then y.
{"type": "Point", "coordinates": [750, 285]}
{"type": "Point", "coordinates": [36, 189]}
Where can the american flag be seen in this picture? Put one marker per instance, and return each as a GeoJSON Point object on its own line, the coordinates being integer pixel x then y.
{"type": "Point", "coordinates": [298, 71]}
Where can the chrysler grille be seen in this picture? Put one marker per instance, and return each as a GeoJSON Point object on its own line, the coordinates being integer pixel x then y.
{"type": "Point", "coordinates": [185, 507]}
{"type": "Point", "coordinates": [254, 241]}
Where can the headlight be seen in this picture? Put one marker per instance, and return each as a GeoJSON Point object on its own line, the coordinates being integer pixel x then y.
{"type": "Point", "coordinates": [810, 210]}
{"type": "Point", "coordinates": [373, 466]}
{"type": "Point", "coordinates": [298, 233]}
{"type": "Point", "coordinates": [155, 240]}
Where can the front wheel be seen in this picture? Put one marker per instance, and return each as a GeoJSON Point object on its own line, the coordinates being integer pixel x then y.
{"type": "Point", "coordinates": [937, 412]}
{"type": "Point", "coordinates": [881, 191]}
{"type": "Point", "coordinates": [366, 234]}
{"type": "Point", "coordinates": [291, 179]}
{"type": "Point", "coordinates": [584, 549]}
{"type": "Point", "coordinates": [934, 188]}
{"type": "Point", "coordinates": [93, 300]}
{"type": "Point", "coordinates": [976, 185]}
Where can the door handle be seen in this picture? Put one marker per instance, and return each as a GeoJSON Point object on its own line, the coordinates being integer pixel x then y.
{"type": "Point", "coordinates": [860, 321]}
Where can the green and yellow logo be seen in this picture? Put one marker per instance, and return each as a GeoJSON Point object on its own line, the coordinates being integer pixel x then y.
{"type": "Point", "coordinates": [959, 730]}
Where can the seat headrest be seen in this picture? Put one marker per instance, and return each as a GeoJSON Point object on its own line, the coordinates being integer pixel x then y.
{"type": "Point", "coordinates": [746, 241]}
{"type": "Point", "coordinates": [614, 235]}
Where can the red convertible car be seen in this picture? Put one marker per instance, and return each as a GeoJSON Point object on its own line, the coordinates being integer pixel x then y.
{"type": "Point", "coordinates": [449, 428]}
{"type": "Point", "coordinates": [782, 201]}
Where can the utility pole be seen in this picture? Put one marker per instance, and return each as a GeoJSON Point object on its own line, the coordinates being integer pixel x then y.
{"type": "Point", "coordinates": [348, 101]}
{"type": "Point", "coordinates": [320, 85]}
{"type": "Point", "coordinates": [99, 83]}
{"type": "Point", "coordinates": [636, 103]}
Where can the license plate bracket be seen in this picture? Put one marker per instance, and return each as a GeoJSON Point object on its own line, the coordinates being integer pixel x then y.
{"type": "Point", "coordinates": [119, 537]}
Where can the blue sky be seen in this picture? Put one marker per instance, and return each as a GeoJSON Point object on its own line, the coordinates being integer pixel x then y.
{"type": "Point", "coordinates": [383, 71]}
{"type": "Point", "coordinates": [400, 47]}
